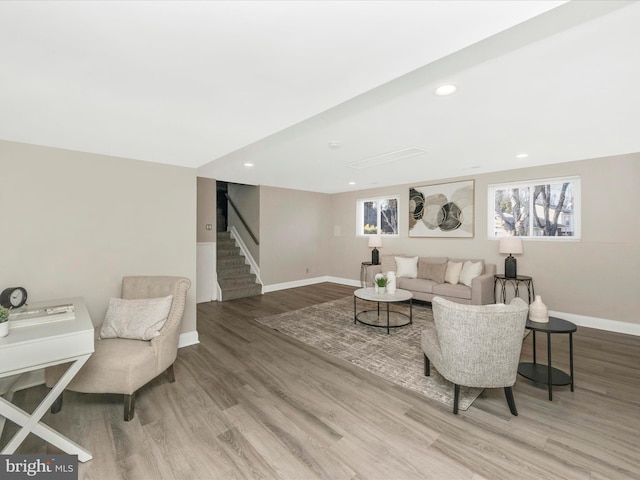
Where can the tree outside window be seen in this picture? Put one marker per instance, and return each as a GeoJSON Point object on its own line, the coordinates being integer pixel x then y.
{"type": "Point", "coordinates": [378, 216]}
{"type": "Point", "coordinates": [540, 208]}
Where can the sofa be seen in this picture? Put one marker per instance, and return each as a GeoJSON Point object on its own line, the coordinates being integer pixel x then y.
{"type": "Point", "coordinates": [465, 281]}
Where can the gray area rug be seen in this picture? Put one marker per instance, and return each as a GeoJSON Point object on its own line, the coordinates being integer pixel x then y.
{"type": "Point", "coordinates": [396, 357]}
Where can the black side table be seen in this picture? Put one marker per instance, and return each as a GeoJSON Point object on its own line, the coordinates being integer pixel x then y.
{"type": "Point", "coordinates": [545, 374]}
{"type": "Point", "coordinates": [504, 280]}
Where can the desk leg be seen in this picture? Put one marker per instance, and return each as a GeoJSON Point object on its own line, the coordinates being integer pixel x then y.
{"type": "Point", "coordinates": [549, 365]}
{"type": "Point", "coordinates": [31, 423]}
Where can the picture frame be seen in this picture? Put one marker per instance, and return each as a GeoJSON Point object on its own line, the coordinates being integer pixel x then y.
{"type": "Point", "coordinates": [445, 210]}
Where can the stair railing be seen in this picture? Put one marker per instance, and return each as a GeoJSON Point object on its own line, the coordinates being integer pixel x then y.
{"type": "Point", "coordinates": [242, 220]}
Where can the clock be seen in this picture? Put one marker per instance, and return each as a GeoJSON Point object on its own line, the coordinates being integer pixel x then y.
{"type": "Point", "coordinates": [13, 297]}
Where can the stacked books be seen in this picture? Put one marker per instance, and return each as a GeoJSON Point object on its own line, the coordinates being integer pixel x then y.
{"type": "Point", "coordinates": [26, 316]}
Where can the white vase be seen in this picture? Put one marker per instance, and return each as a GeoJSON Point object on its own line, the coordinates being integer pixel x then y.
{"type": "Point", "coordinates": [391, 282]}
{"type": "Point", "coordinates": [377, 288]}
{"type": "Point", "coordinates": [538, 311]}
{"type": "Point", "coordinates": [4, 329]}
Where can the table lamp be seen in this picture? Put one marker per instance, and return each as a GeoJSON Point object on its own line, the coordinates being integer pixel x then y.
{"type": "Point", "coordinates": [510, 245]}
{"type": "Point", "coordinates": [375, 241]}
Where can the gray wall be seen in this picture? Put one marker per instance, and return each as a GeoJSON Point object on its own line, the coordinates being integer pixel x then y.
{"type": "Point", "coordinates": [73, 224]}
{"type": "Point", "coordinates": [246, 198]}
{"type": "Point", "coordinates": [294, 235]}
{"type": "Point", "coordinates": [206, 210]}
{"type": "Point", "coordinates": [595, 277]}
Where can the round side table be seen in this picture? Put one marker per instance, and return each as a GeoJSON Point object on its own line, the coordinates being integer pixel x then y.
{"type": "Point", "coordinates": [503, 280]}
{"type": "Point", "coordinates": [546, 374]}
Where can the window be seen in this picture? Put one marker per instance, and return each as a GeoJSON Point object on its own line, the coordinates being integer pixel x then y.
{"type": "Point", "coordinates": [377, 216]}
{"type": "Point", "coordinates": [535, 209]}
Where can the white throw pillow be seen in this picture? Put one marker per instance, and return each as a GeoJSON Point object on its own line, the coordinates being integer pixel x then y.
{"type": "Point", "coordinates": [452, 275]}
{"type": "Point", "coordinates": [470, 271]}
{"type": "Point", "coordinates": [137, 319]}
{"type": "Point", "coordinates": [407, 267]}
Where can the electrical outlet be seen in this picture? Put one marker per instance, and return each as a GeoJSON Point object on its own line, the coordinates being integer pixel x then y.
{"type": "Point", "coordinates": [208, 226]}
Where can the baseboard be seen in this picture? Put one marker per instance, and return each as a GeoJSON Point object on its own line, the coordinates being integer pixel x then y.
{"type": "Point", "coordinates": [188, 338]}
{"type": "Point", "coordinates": [599, 323]}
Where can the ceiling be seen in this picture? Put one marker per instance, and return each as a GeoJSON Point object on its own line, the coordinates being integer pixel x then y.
{"type": "Point", "coordinates": [214, 85]}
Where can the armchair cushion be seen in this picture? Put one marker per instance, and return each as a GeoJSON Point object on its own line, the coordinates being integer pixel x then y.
{"type": "Point", "coordinates": [135, 319]}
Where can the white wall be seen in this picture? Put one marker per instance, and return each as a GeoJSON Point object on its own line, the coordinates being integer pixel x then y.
{"type": "Point", "coordinates": [73, 224]}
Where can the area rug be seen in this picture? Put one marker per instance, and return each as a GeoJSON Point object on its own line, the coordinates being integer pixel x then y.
{"type": "Point", "coordinates": [396, 357]}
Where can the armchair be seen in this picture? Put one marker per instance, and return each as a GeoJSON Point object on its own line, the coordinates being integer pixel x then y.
{"type": "Point", "coordinates": [123, 366]}
{"type": "Point", "coordinates": [476, 345]}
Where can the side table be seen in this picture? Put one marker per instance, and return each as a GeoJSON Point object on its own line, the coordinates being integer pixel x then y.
{"type": "Point", "coordinates": [546, 374]}
{"type": "Point", "coordinates": [503, 280]}
{"type": "Point", "coordinates": [363, 273]}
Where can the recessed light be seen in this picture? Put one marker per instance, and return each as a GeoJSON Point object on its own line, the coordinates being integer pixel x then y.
{"type": "Point", "coordinates": [248, 164]}
{"type": "Point", "coordinates": [444, 90]}
{"type": "Point", "coordinates": [352, 183]}
{"type": "Point", "coordinates": [522, 155]}
{"type": "Point", "coordinates": [335, 145]}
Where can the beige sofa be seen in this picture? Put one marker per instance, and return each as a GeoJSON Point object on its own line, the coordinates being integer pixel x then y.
{"type": "Point", "coordinates": [429, 281]}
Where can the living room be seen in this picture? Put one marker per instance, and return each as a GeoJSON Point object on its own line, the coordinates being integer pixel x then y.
{"type": "Point", "coordinates": [83, 219]}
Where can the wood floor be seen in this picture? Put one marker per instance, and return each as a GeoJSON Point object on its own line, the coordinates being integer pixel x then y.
{"type": "Point", "coordinates": [251, 403]}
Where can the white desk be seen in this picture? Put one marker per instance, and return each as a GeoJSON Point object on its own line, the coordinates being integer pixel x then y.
{"type": "Point", "coordinates": [35, 347]}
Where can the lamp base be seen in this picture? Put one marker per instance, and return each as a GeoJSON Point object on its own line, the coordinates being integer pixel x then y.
{"type": "Point", "coordinates": [510, 267]}
{"type": "Point", "coordinates": [375, 258]}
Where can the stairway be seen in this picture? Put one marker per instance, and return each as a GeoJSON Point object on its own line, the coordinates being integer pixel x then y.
{"type": "Point", "coordinates": [234, 276]}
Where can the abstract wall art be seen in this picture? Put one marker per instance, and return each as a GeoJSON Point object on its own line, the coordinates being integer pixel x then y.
{"type": "Point", "coordinates": [444, 210]}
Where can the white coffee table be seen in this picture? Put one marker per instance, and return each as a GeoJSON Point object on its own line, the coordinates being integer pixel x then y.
{"type": "Point", "coordinates": [393, 318]}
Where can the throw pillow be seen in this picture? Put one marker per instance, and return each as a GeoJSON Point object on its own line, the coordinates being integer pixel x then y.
{"type": "Point", "coordinates": [388, 263]}
{"type": "Point", "coordinates": [136, 319]}
{"type": "Point", "coordinates": [432, 271]}
{"type": "Point", "coordinates": [407, 267]}
{"type": "Point", "coordinates": [452, 275]}
{"type": "Point", "coordinates": [470, 271]}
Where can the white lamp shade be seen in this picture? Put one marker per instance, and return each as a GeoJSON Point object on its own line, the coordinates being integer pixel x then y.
{"type": "Point", "coordinates": [512, 245]}
{"type": "Point", "coordinates": [375, 241]}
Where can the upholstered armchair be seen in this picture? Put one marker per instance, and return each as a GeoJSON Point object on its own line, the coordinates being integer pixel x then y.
{"type": "Point", "coordinates": [476, 345]}
{"type": "Point", "coordinates": [124, 365]}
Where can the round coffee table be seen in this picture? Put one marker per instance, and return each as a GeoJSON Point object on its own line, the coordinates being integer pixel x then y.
{"type": "Point", "coordinates": [393, 318]}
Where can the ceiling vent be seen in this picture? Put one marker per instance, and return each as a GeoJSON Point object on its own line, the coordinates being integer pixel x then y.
{"type": "Point", "coordinates": [387, 157]}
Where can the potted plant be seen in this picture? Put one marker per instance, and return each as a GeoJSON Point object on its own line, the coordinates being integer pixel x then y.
{"type": "Point", "coordinates": [381, 282]}
{"type": "Point", "coordinates": [4, 322]}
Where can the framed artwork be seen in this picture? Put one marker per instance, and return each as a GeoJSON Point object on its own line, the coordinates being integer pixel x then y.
{"type": "Point", "coordinates": [444, 210]}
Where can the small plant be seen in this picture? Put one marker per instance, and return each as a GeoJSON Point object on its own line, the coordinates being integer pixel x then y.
{"type": "Point", "coordinates": [381, 281]}
{"type": "Point", "coordinates": [4, 314]}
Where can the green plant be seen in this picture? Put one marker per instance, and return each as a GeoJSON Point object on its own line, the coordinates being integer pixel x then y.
{"type": "Point", "coordinates": [4, 314]}
{"type": "Point", "coordinates": [381, 281]}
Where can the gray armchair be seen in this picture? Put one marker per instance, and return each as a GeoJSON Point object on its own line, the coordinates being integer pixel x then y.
{"type": "Point", "coordinates": [121, 365]}
{"type": "Point", "coordinates": [476, 345]}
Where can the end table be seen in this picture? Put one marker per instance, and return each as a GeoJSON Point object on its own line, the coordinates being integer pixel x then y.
{"type": "Point", "coordinates": [546, 374]}
{"type": "Point", "coordinates": [515, 282]}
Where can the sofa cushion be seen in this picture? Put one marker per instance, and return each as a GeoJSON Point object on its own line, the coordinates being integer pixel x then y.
{"type": "Point", "coordinates": [431, 271]}
{"type": "Point", "coordinates": [388, 262]}
{"type": "Point", "coordinates": [407, 267]}
{"type": "Point", "coordinates": [416, 284]}
{"type": "Point", "coordinates": [473, 260]}
{"type": "Point", "coordinates": [452, 274]}
{"type": "Point", "coordinates": [470, 271]}
{"type": "Point", "coordinates": [455, 291]}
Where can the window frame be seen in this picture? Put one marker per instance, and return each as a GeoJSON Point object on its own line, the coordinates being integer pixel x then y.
{"type": "Point", "coordinates": [360, 215]}
{"type": "Point", "coordinates": [575, 181]}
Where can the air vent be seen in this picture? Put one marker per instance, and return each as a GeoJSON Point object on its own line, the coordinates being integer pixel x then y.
{"type": "Point", "coordinates": [387, 157]}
